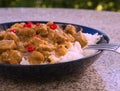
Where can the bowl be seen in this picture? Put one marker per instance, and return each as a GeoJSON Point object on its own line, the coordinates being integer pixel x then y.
{"type": "Point", "coordinates": [57, 69]}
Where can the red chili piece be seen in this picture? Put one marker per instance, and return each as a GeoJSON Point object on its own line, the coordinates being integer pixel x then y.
{"type": "Point", "coordinates": [13, 30]}
{"type": "Point", "coordinates": [37, 24]}
{"type": "Point", "coordinates": [53, 26]}
{"type": "Point", "coordinates": [28, 25]}
{"type": "Point", "coordinates": [25, 25]}
{"type": "Point", "coordinates": [30, 48]}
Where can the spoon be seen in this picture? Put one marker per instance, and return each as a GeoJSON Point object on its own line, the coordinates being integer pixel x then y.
{"type": "Point", "coordinates": [105, 46]}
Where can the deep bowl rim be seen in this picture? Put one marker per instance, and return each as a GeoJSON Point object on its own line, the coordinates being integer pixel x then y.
{"type": "Point", "coordinates": [98, 52]}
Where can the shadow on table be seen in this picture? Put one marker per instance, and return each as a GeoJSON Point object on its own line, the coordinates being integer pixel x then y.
{"type": "Point", "coordinates": [90, 80]}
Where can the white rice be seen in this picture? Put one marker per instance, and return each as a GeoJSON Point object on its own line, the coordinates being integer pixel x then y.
{"type": "Point", "coordinates": [75, 51]}
{"type": "Point", "coordinates": [24, 62]}
{"type": "Point", "coordinates": [92, 39]}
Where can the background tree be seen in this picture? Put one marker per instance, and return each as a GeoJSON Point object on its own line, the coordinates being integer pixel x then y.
{"type": "Point", "coordinates": [109, 5]}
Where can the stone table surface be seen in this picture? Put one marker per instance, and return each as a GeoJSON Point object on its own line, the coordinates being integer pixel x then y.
{"type": "Point", "coordinates": [103, 75]}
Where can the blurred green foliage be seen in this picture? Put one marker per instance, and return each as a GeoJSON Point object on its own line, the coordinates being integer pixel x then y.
{"type": "Point", "coordinates": [109, 5]}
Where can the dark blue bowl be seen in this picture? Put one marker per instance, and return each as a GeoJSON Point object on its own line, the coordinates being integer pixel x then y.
{"type": "Point", "coordinates": [58, 69]}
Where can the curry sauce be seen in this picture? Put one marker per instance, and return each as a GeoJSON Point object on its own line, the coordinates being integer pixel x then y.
{"type": "Point", "coordinates": [37, 41]}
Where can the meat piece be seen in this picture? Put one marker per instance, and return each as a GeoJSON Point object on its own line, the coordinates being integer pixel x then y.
{"type": "Point", "coordinates": [7, 45]}
{"type": "Point", "coordinates": [17, 26]}
{"type": "Point", "coordinates": [66, 44]}
{"type": "Point", "coordinates": [36, 41]}
{"type": "Point", "coordinates": [81, 38]}
{"type": "Point", "coordinates": [2, 33]}
{"type": "Point", "coordinates": [60, 37]}
{"type": "Point", "coordinates": [36, 58]}
{"type": "Point", "coordinates": [21, 47]}
{"type": "Point", "coordinates": [70, 29]}
{"type": "Point", "coordinates": [70, 38]}
{"type": "Point", "coordinates": [11, 36]}
{"type": "Point", "coordinates": [49, 23]}
{"type": "Point", "coordinates": [47, 47]}
{"type": "Point", "coordinates": [41, 30]}
{"type": "Point", "coordinates": [61, 50]}
{"type": "Point", "coordinates": [26, 33]}
{"type": "Point", "coordinates": [51, 35]}
{"type": "Point", "coordinates": [11, 57]}
{"type": "Point", "coordinates": [50, 60]}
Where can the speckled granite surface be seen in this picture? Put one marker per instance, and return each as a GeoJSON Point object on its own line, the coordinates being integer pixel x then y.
{"type": "Point", "coordinates": [103, 75]}
{"type": "Point", "coordinates": [90, 81]}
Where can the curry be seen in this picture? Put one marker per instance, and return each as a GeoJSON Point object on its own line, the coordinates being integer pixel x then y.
{"type": "Point", "coordinates": [37, 41]}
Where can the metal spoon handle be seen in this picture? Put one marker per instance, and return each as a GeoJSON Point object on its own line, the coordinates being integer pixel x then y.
{"type": "Point", "coordinates": [104, 46]}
